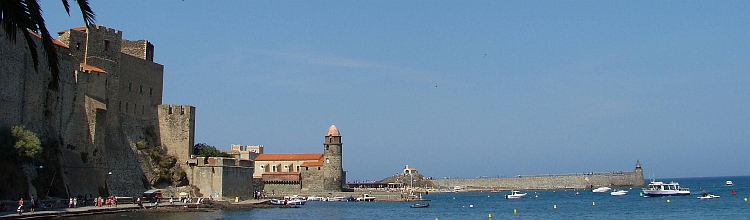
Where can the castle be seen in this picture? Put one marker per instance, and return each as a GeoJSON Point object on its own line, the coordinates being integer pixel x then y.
{"type": "Point", "coordinates": [109, 99]}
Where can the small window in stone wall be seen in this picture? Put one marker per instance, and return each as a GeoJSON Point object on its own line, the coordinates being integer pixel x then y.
{"type": "Point", "coordinates": [318, 168]}
{"type": "Point", "coordinates": [307, 168]}
{"type": "Point", "coordinates": [119, 107]}
{"type": "Point", "coordinates": [150, 91]}
{"type": "Point", "coordinates": [297, 168]}
{"type": "Point", "coordinates": [126, 107]}
{"type": "Point", "coordinates": [106, 45]}
{"type": "Point", "coordinates": [130, 87]}
{"type": "Point", "coordinates": [141, 90]}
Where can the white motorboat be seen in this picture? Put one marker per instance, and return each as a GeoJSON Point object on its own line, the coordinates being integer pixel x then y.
{"type": "Point", "coordinates": [366, 198]}
{"type": "Point", "coordinates": [515, 195]}
{"type": "Point", "coordinates": [296, 202]}
{"type": "Point", "coordinates": [729, 183]}
{"type": "Point", "coordinates": [314, 198]}
{"type": "Point", "coordinates": [708, 196]}
{"type": "Point", "coordinates": [601, 189]}
{"type": "Point", "coordinates": [618, 192]}
{"type": "Point", "coordinates": [665, 189]}
{"type": "Point", "coordinates": [278, 202]}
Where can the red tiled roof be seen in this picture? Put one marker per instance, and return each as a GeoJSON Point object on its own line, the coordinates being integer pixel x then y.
{"type": "Point", "coordinates": [92, 68]}
{"type": "Point", "coordinates": [81, 28]}
{"type": "Point", "coordinates": [266, 157]}
{"type": "Point", "coordinates": [313, 163]}
{"type": "Point", "coordinates": [54, 41]}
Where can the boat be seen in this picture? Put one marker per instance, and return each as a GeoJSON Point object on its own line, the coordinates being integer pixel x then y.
{"type": "Point", "coordinates": [708, 196]}
{"type": "Point", "coordinates": [294, 202]}
{"type": "Point", "coordinates": [618, 192]}
{"type": "Point", "coordinates": [601, 189]}
{"type": "Point", "coordinates": [314, 198]}
{"type": "Point", "coordinates": [665, 189]}
{"type": "Point", "coordinates": [277, 202]}
{"type": "Point", "coordinates": [515, 195]}
{"type": "Point", "coordinates": [366, 198]}
{"type": "Point", "coordinates": [420, 205]}
{"type": "Point", "coordinates": [729, 183]}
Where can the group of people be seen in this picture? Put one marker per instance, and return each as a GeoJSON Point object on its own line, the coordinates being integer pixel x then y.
{"type": "Point", "coordinates": [109, 201]}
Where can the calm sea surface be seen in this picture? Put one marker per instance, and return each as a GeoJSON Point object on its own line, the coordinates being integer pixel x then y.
{"type": "Point", "coordinates": [569, 206]}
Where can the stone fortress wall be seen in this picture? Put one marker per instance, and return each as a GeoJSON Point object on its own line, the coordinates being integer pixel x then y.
{"type": "Point", "coordinates": [222, 178]}
{"type": "Point", "coordinates": [551, 181]}
{"type": "Point", "coordinates": [109, 98]}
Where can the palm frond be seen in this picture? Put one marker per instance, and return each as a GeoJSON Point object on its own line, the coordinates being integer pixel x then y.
{"type": "Point", "coordinates": [49, 47]}
{"type": "Point", "coordinates": [88, 14]}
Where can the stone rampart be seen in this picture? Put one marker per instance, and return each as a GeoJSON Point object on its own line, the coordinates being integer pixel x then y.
{"type": "Point", "coordinates": [551, 181]}
{"type": "Point", "coordinates": [222, 182]}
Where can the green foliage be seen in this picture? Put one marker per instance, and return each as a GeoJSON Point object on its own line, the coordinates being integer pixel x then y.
{"type": "Point", "coordinates": [27, 144]}
{"type": "Point", "coordinates": [205, 150]}
{"type": "Point", "coordinates": [165, 164]}
{"type": "Point", "coordinates": [141, 144]}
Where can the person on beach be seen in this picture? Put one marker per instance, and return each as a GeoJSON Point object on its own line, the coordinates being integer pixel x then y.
{"type": "Point", "coordinates": [20, 206]}
{"type": "Point", "coordinates": [171, 200]}
{"type": "Point", "coordinates": [31, 205]}
{"type": "Point", "coordinates": [75, 202]}
{"type": "Point", "coordinates": [139, 202]}
{"type": "Point", "coordinates": [70, 203]}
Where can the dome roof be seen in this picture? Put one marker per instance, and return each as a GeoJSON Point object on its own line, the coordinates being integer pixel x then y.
{"type": "Point", "coordinates": [333, 131]}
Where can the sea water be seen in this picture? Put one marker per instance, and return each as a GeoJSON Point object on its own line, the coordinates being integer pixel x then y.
{"type": "Point", "coordinates": [538, 204]}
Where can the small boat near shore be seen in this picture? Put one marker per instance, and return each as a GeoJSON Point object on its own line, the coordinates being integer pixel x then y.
{"type": "Point", "coordinates": [601, 189]}
{"type": "Point", "coordinates": [665, 189]}
{"type": "Point", "coordinates": [419, 205]}
{"type": "Point", "coordinates": [366, 198]}
{"type": "Point", "coordinates": [515, 195]}
{"type": "Point", "coordinates": [618, 192]}
{"type": "Point", "coordinates": [730, 183]}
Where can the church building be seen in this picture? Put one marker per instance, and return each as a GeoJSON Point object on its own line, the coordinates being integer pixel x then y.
{"type": "Point", "coordinates": [299, 173]}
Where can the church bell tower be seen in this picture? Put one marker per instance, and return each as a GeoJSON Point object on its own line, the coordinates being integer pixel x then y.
{"type": "Point", "coordinates": [333, 173]}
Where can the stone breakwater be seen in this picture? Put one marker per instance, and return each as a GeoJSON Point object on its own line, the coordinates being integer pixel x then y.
{"type": "Point", "coordinates": [550, 181]}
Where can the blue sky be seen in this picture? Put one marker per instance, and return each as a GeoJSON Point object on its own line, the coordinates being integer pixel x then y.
{"type": "Point", "coordinates": [459, 88]}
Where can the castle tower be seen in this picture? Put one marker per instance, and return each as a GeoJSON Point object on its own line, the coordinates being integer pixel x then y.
{"type": "Point", "coordinates": [333, 173]}
{"type": "Point", "coordinates": [177, 130]}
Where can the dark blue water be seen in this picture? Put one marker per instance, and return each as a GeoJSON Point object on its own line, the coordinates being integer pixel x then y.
{"type": "Point", "coordinates": [569, 206]}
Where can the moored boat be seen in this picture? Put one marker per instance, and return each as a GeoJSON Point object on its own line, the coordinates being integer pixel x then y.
{"type": "Point", "coordinates": [366, 198]}
{"type": "Point", "coordinates": [277, 202]}
{"type": "Point", "coordinates": [618, 192]}
{"type": "Point", "coordinates": [601, 189]}
{"type": "Point", "coordinates": [665, 189]}
{"type": "Point", "coordinates": [296, 202]}
{"type": "Point", "coordinates": [729, 183]}
{"type": "Point", "coordinates": [420, 205]}
{"type": "Point", "coordinates": [515, 195]}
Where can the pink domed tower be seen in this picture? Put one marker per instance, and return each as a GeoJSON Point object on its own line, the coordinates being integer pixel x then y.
{"type": "Point", "coordinates": [333, 173]}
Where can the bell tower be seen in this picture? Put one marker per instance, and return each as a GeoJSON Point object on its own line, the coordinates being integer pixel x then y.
{"type": "Point", "coordinates": [333, 173]}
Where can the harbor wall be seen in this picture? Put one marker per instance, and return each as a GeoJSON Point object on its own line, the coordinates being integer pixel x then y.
{"type": "Point", "coordinates": [550, 181]}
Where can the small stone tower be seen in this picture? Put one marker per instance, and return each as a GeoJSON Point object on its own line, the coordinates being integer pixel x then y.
{"type": "Point", "coordinates": [333, 173]}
